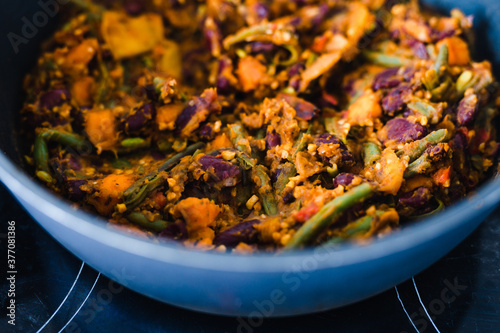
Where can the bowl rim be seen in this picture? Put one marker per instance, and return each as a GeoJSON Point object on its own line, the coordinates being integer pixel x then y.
{"type": "Point", "coordinates": [95, 228]}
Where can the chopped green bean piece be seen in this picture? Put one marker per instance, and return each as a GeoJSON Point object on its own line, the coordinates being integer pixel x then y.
{"type": "Point", "coordinates": [416, 148]}
{"type": "Point", "coordinates": [142, 221]}
{"type": "Point", "coordinates": [265, 191]}
{"type": "Point", "coordinates": [379, 58]}
{"type": "Point", "coordinates": [442, 59]}
{"type": "Point", "coordinates": [371, 153]}
{"type": "Point", "coordinates": [287, 171]}
{"type": "Point", "coordinates": [328, 215]}
{"type": "Point", "coordinates": [419, 166]}
{"type": "Point", "coordinates": [135, 194]}
{"type": "Point", "coordinates": [358, 227]}
{"type": "Point", "coordinates": [133, 142]}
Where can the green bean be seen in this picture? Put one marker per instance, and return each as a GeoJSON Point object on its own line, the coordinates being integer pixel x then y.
{"type": "Point", "coordinates": [294, 55]}
{"type": "Point", "coordinates": [261, 134]}
{"type": "Point", "coordinates": [104, 83]}
{"type": "Point", "coordinates": [245, 161]}
{"type": "Point", "coordinates": [41, 154]}
{"type": "Point", "coordinates": [243, 194]}
{"type": "Point", "coordinates": [148, 62]}
{"type": "Point", "coordinates": [287, 171]}
{"type": "Point", "coordinates": [331, 124]}
{"type": "Point", "coordinates": [241, 53]}
{"type": "Point", "coordinates": [120, 163]}
{"type": "Point", "coordinates": [142, 221]}
{"type": "Point", "coordinates": [133, 142]}
{"type": "Point", "coordinates": [179, 144]}
{"type": "Point", "coordinates": [333, 171]}
{"type": "Point", "coordinates": [360, 226]}
{"type": "Point", "coordinates": [135, 194]}
{"type": "Point", "coordinates": [332, 127]}
{"type": "Point", "coordinates": [237, 135]}
{"type": "Point", "coordinates": [41, 150]}
{"type": "Point", "coordinates": [136, 198]}
{"type": "Point", "coordinates": [197, 152]}
{"type": "Point", "coordinates": [301, 144]}
{"type": "Point", "coordinates": [477, 162]}
{"type": "Point", "coordinates": [419, 166]}
{"type": "Point", "coordinates": [329, 214]}
{"type": "Point", "coordinates": [245, 34]}
{"type": "Point", "coordinates": [382, 59]}
{"type": "Point", "coordinates": [439, 92]}
{"type": "Point", "coordinates": [430, 79]}
{"type": "Point", "coordinates": [132, 145]}
{"type": "Point", "coordinates": [442, 59]}
{"type": "Point", "coordinates": [440, 208]}
{"type": "Point", "coordinates": [44, 176]}
{"type": "Point", "coordinates": [270, 32]}
{"type": "Point", "coordinates": [423, 107]}
{"type": "Point", "coordinates": [371, 153]}
{"type": "Point", "coordinates": [416, 148]}
{"type": "Point", "coordinates": [486, 124]}
{"type": "Point", "coordinates": [265, 191]}
{"type": "Point", "coordinates": [74, 141]}
{"type": "Point", "coordinates": [466, 80]}
{"type": "Point", "coordinates": [164, 145]}
{"type": "Point", "coordinates": [167, 165]}
{"type": "Point", "coordinates": [171, 162]}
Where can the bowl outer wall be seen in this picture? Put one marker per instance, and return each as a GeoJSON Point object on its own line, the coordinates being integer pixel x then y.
{"type": "Point", "coordinates": [230, 285]}
{"type": "Point", "coordinates": [308, 281]}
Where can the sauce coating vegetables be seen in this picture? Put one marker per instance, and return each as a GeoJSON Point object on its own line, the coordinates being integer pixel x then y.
{"type": "Point", "coordinates": [260, 125]}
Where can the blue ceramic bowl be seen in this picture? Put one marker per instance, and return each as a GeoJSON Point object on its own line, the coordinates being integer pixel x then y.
{"type": "Point", "coordinates": [255, 286]}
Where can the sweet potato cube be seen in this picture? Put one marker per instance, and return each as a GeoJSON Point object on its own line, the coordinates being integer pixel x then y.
{"type": "Point", "coordinates": [130, 36]}
{"type": "Point", "coordinates": [109, 192]}
{"type": "Point", "coordinates": [100, 126]}
{"type": "Point", "coordinates": [458, 51]}
{"type": "Point", "coordinates": [365, 109]}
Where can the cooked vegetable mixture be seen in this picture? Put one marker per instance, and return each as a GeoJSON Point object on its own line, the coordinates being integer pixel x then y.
{"type": "Point", "coordinates": [249, 125]}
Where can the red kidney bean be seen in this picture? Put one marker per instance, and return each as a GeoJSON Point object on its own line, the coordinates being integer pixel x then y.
{"type": "Point", "coordinates": [273, 139]}
{"type": "Point", "coordinates": [416, 198]}
{"type": "Point", "coordinates": [226, 172]}
{"type": "Point", "coordinates": [467, 110]}
{"type": "Point", "coordinates": [242, 232]}
{"type": "Point", "coordinates": [386, 79]}
{"type": "Point", "coordinates": [304, 109]}
{"type": "Point", "coordinates": [53, 98]}
{"type": "Point", "coordinates": [395, 99]}
{"type": "Point", "coordinates": [403, 130]}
